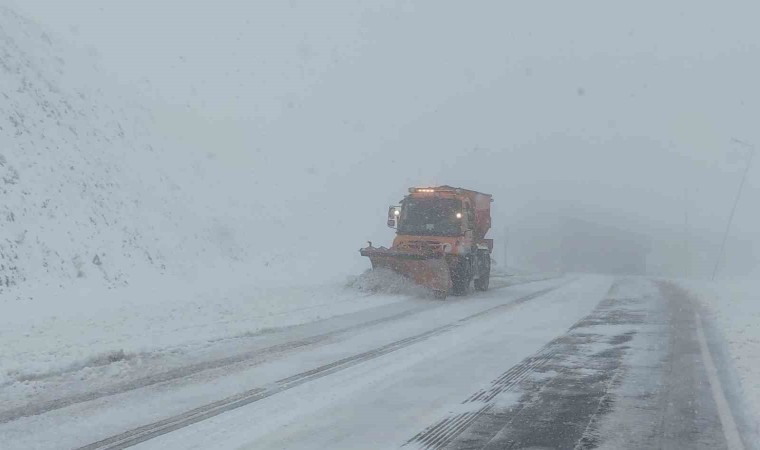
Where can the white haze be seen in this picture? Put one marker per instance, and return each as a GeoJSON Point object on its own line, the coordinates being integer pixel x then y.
{"type": "Point", "coordinates": [325, 112]}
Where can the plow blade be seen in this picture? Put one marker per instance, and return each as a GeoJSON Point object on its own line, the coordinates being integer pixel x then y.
{"type": "Point", "coordinates": [429, 270]}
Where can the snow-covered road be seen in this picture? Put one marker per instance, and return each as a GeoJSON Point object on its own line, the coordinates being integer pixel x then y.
{"type": "Point", "coordinates": [575, 362]}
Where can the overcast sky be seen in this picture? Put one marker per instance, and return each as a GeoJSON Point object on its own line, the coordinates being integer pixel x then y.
{"type": "Point", "coordinates": [624, 108]}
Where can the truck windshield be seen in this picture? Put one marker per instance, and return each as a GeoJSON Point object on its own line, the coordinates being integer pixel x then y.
{"type": "Point", "coordinates": [430, 217]}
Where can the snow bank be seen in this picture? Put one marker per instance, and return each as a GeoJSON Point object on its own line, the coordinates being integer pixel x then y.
{"type": "Point", "coordinates": [387, 282]}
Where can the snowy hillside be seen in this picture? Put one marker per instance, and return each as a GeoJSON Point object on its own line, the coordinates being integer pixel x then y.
{"type": "Point", "coordinates": [85, 194]}
{"type": "Point", "coordinates": [93, 195]}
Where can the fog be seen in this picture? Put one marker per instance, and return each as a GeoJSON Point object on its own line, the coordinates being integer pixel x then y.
{"type": "Point", "coordinates": [622, 116]}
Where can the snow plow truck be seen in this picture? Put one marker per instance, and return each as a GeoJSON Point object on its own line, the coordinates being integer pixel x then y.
{"type": "Point", "coordinates": [440, 240]}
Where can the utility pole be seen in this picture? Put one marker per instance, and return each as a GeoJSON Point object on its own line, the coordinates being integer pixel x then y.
{"type": "Point", "coordinates": [736, 203]}
{"type": "Point", "coordinates": [506, 246]}
{"type": "Point", "coordinates": [686, 241]}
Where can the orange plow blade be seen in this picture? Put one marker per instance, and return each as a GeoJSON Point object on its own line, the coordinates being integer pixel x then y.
{"type": "Point", "coordinates": [426, 269]}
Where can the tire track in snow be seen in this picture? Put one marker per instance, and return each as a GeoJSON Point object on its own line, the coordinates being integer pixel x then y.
{"type": "Point", "coordinates": [276, 350]}
{"type": "Point", "coordinates": [186, 371]}
{"type": "Point", "coordinates": [444, 432]}
{"type": "Point", "coordinates": [636, 373]}
{"type": "Point", "coordinates": [491, 416]}
{"type": "Point", "coordinates": [150, 431]}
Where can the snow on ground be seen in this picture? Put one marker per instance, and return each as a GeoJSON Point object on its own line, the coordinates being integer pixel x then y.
{"type": "Point", "coordinates": [142, 327]}
{"type": "Point", "coordinates": [734, 307]}
{"type": "Point", "coordinates": [391, 399]}
{"type": "Point", "coordinates": [385, 280]}
{"type": "Point", "coordinates": [139, 323]}
{"type": "Point", "coordinates": [526, 325]}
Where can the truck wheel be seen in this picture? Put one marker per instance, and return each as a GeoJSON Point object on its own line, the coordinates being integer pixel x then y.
{"type": "Point", "coordinates": [461, 275]}
{"type": "Point", "coordinates": [481, 284]}
{"type": "Point", "coordinates": [460, 287]}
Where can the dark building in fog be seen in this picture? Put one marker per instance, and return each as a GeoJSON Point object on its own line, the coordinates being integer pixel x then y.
{"type": "Point", "coordinates": [589, 247]}
{"type": "Point", "coordinates": [565, 244]}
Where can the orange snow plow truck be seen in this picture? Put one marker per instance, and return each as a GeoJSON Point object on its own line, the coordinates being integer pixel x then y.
{"type": "Point", "coordinates": [440, 240]}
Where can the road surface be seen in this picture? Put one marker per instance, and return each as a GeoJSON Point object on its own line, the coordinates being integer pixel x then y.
{"type": "Point", "coordinates": [570, 363]}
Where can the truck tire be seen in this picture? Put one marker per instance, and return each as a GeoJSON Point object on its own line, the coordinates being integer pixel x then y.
{"type": "Point", "coordinates": [461, 275]}
{"type": "Point", "coordinates": [482, 282]}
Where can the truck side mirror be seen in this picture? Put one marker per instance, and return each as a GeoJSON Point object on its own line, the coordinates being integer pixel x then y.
{"type": "Point", "coordinates": [394, 212]}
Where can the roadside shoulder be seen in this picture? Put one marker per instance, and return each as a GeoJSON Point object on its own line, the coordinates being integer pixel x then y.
{"type": "Point", "coordinates": [730, 315]}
